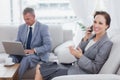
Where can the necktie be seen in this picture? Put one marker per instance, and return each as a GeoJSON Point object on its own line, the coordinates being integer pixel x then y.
{"type": "Point", "coordinates": [29, 38]}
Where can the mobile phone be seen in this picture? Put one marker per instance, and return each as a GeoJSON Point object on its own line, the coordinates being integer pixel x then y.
{"type": "Point", "coordinates": [91, 28]}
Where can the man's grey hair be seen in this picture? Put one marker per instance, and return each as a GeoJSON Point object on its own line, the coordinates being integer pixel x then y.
{"type": "Point", "coordinates": [28, 10]}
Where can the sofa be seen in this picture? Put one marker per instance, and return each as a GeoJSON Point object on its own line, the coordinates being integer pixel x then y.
{"type": "Point", "coordinates": [61, 39]}
{"type": "Point", "coordinates": [58, 36]}
{"type": "Point", "coordinates": [109, 71]}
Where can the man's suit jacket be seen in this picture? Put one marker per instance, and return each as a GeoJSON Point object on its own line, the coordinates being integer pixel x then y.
{"type": "Point", "coordinates": [41, 40]}
{"type": "Point", "coordinates": [93, 58]}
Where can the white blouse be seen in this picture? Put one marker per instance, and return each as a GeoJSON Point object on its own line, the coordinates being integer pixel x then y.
{"type": "Point", "coordinates": [91, 42]}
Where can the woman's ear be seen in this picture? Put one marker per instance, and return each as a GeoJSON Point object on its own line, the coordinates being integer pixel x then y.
{"type": "Point", "coordinates": [107, 27]}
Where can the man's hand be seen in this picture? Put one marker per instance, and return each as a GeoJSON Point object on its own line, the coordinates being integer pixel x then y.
{"type": "Point", "coordinates": [29, 51]}
{"type": "Point", "coordinates": [77, 53]}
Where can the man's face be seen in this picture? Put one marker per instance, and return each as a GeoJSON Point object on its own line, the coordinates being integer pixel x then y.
{"type": "Point", "coordinates": [29, 19]}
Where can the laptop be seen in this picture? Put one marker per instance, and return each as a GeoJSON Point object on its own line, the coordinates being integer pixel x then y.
{"type": "Point", "coordinates": [15, 48]}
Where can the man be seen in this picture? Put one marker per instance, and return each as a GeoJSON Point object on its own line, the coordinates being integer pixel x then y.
{"type": "Point", "coordinates": [36, 41]}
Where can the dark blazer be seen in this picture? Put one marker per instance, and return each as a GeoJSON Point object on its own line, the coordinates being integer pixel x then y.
{"type": "Point", "coordinates": [93, 58]}
{"type": "Point", "coordinates": [41, 40]}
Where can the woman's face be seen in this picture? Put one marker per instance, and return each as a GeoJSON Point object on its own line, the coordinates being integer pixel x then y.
{"type": "Point", "coordinates": [99, 25]}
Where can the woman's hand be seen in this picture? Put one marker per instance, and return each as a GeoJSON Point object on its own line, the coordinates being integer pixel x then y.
{"type": "Point", "coordinates": [87, 34]}
{"type": "Point", "coordinates": [77, 53]}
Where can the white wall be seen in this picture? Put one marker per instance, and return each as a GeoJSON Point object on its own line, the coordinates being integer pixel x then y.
{"type": "Point", "coordinates": [84, 8]}
{"type": "Point", "coordinates": [10, 12]}
{"type": "Point", "coordinates": [4, 11]}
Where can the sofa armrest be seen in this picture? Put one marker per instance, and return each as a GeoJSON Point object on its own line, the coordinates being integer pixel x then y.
{"type": "Point", "coordinates": [89, 77]}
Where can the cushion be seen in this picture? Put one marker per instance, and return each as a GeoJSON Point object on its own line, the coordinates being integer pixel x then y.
{"type": "Point", "coordinates": [113, 61]}
{"type": "Point", "coordinates": [63, 53]}
{"type": "Point", "coordinates": [67, 35]}
{"type": "Point", "coordinates": [64, 56]}
{"type": "Point", "coordinates": [62, 46]}
{"type": "Point", "coordinates": [53, 58]}
{"type": "Point", "coordinates": [56, 34]}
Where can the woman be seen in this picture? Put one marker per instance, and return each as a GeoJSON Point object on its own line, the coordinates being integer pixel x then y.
{"type": "Point", "coordinates": [91, 53]}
